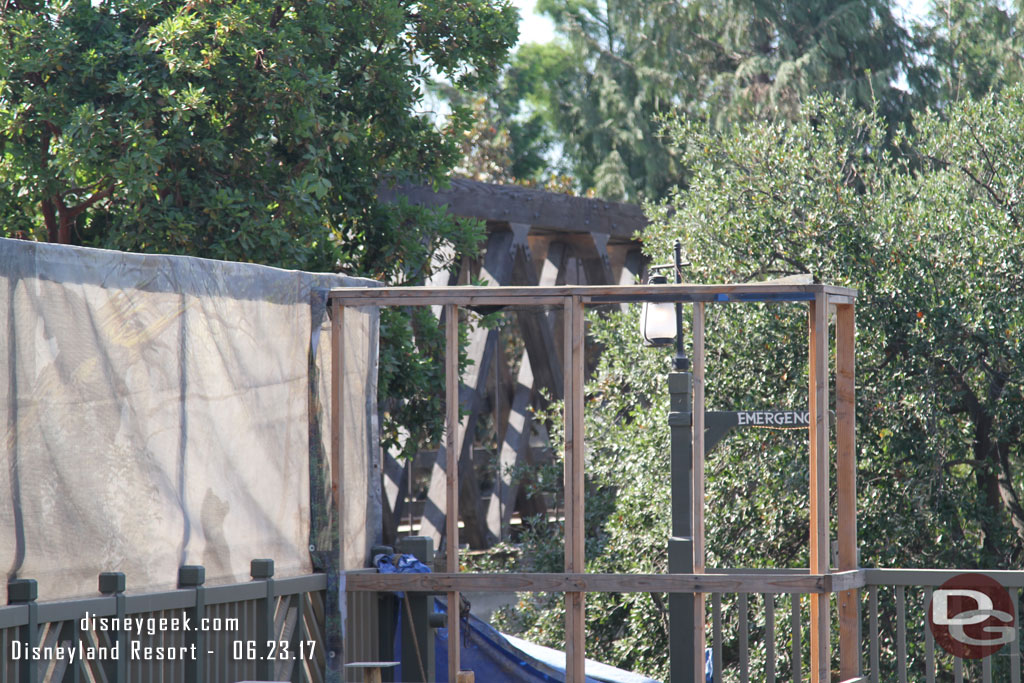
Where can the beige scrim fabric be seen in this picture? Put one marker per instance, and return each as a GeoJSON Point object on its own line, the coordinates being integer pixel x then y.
{"type": "Point", "coordinates": [156, 413]}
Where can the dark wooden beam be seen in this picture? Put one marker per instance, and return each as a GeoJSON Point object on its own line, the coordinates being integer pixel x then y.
{"type": "Point", "coordinates": [739, 582]}
{"type": "Point", "coordinates": [538, 208]}
{"type": "Point", "coordinates": [496, 270]}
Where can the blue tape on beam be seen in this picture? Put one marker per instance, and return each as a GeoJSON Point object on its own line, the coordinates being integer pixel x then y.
{"type": "Point", "coordinates": [735, 297]}
{"type": "Point", "coordinates": [750, 297]}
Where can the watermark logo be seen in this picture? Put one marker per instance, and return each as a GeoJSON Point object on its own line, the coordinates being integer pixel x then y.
{"type": "Point", "coordinates": [972, 616]}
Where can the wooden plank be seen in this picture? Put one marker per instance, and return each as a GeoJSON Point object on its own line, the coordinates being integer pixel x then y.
{"type": "Point", "coordinates": [901, 632]}
{"type": "Point", "coordinates": [519, 204]}
{"type": "Point", "coordinates": [697, 514]}
{"type": "Point", "coordinates": [716, 637]}
{"type": "Point", "coordinates": [338, 400]}
{"type": "Point", "coordinates": [873, 626]}
{"type": "Point", "coordinates": [846, 501]}
{"type": "Point", "coordinates": [537, 326]}
{"type": "Point", "coordinates": [1015, 643]}
{"type": "Point", "coordinates": [819, 488]}
{"type": "Point", "coordinates": [396, 491]}
{"type": "Point", "coordinates": [537, 329]}
{"type": "Point", "coordinates": [592, 251]}
{"type": "Point", "coordinates": [496, 268]}
{"type": "Point", "coordinates": [337, 426]}
{"type": "Point", "coordinates": [846, 580]}
{"type": "Point", "coordinates": [588, 583]}
{"type": "Point", "coordinates": [632, 266]}
{"type": "Point", "coordinates": [795, 665]}
{"type": "Point", "coordinates": [512, 452]}
{"type": "Point", "coordinates": [929, 641]}
{"type": "Point", "coordinates": [743, 631]}
{"type": "Point", "coordinates": [574, 487]}
{"type": "Point", "coordinates": [452, 429]}
{"type": "Point", "coordinates": [480, 354]}
{"type": "Point", "coordinates": [1009, 578]}
{"type": "Point", "coordinates": [769, 637]}
{"type": "Point", "coordinates": [475, 295]}
{"type": "Point", "coordinates": [569, 525]}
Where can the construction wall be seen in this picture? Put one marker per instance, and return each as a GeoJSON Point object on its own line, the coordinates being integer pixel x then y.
{"type": "Point", "coordinates": [159, 411]}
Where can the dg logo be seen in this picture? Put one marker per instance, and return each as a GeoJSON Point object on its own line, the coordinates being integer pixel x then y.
{"type": "Point", "coordinates": [972, 616]}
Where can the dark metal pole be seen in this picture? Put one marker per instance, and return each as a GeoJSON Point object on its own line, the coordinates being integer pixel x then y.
{"type": "Point", "coordinates": [680, 545]}
{"type": "Point", "coordinates": [682, 363]}
{"type": "Point", "coordinates": [682, 630]}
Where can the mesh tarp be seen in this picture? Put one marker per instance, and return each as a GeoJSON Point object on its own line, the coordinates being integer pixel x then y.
{"type": "Point", "coordinates": [163, 410]}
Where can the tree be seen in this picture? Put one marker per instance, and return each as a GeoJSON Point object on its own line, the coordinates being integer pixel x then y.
{"type": "Point", "coordinates": [510, 141]}
{"type": "Point", "coordinates": [972, 47]}
{"type": "Point", "coordinates": [937, 256]}
{"type": "Point", "coordinates": [254, 131]}
{"type": "Point", "coordinates": [627, 64]}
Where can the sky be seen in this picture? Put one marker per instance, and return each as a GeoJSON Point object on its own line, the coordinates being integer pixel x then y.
{"type": "Point", "coordinates": [534, 28]}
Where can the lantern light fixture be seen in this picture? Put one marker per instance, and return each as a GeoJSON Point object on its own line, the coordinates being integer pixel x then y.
{"type": "Point", "coordinates": [658, 320]}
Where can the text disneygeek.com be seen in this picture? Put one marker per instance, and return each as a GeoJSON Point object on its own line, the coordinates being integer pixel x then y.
{"type": "Point", "coordinates": [136, 647]}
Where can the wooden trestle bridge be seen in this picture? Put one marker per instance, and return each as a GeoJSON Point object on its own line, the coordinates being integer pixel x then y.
{"type": "Point", "coordinates": [534, 238]}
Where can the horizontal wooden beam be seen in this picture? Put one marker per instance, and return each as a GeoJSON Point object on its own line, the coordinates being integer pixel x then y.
{"type": "Point", "coordinates": [596, 583]}
{"type": "Point", "coordinates": [838, 582]}
{"type": "Point", "coordinates": [516, 204]}
{"type": "Point", "coordinates": [539, 296]}
{"type": "Point", "coordinates": [1010, 578]}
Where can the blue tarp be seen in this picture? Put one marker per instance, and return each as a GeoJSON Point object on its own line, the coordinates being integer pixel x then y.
{"type": "Point", "coordinates": [492, 655]}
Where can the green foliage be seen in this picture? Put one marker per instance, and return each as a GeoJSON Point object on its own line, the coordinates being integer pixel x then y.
{"type": "Point", "coordinates": [938, 259]}
{"type": "Point", "coordinates": [248, 131]}
{"type": "Point", "coordinates": [625, 65]}
{"type": "Point", "coordinates": [510, 140]}
{"type": "Point", "coordinates": [973, 47]}
{"type": "Point", "coordinates": [936, 255]}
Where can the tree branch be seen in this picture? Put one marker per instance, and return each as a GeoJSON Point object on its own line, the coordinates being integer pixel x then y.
{"type": "Point", "coordinates": [91, 201]}
{"type": "Point", "coordinates": [1007, 491]}
{"type": "Point", "coordinates": [50, 218]}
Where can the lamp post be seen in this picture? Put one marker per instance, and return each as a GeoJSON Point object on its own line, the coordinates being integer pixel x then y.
{"type": "Point", "coordinates": [657, 320]}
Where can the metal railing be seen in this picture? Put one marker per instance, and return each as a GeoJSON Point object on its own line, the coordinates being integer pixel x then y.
{"type": "Point", "coordinates": [899, 644]}
{"type": "Point", "coordinates": [762, 636]}
{"type": "Point", "coordinates": [266, 629]}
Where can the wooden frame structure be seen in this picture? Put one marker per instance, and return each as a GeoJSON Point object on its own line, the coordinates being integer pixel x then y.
{"type": "Point", "coordinates": [820, 581]}
{"type": "Point", "coordinates": [534, 238]}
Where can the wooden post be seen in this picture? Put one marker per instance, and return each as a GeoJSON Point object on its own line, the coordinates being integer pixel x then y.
{"type": "Point", "coordinates": [451, 375]}
{"type": "Point", "coordinates": [846, 504]}
{"type": "Point", "coordinates": [819, 489]}
{"type": "Point", "coordinates": [337, 428]}
{"type": "Point", "coordinates": [698, 484]}
{"type": "Point", "coordinates": [573, 464]}
{"type": "Point", "coordinates": [496, 269]}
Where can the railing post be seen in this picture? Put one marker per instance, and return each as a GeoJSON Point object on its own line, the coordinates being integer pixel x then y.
{"type": "Point", "coordinates": [263, 570]}
{"type": "Point", "coordinates": [818, 499]}
{"type": "Point", "coordinates": [846, 495]}
{"type": "Point", "coordinates": [194, 576]}
{"type": "Point", "coordinates": [115, 584]}
{"type": "Point", "coordinates": [25, 591]}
